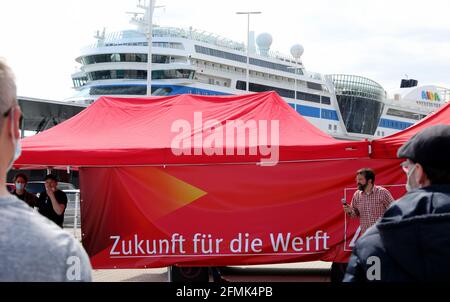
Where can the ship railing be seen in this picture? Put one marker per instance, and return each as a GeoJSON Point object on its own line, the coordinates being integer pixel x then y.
{"type": "Point", "coordinates": [201, 36]}
{"type": "Point", "coordinates": [315, 76]}
{"type": "Point", "coordinates": [217, 68]}
{"type": "Point", "coordinates": [234, 72]}
{"type": "Point", "coordinates": [445, 93]}
{"type": "Point", "coordinates": [72, 214]}
{"type": "Point", "coordinates": [330, 84]}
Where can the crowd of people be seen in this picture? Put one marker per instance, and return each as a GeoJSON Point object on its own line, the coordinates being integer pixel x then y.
{"type": "Point", "coordinates": [409, 237]}
{"type": "Point", "coordinates": [51, 203]}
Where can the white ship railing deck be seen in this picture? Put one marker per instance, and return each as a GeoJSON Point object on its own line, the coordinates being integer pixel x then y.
{"type": "Point", "coordinates": [195, 35]}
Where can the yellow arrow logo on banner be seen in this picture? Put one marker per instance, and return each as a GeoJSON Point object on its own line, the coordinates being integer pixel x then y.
{"type": "Point", "coordinates": [164, 192]}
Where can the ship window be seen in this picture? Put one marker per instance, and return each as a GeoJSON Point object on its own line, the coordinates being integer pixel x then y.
{"type": "Point", "coordinates": [404, 114]}
{"type": "Point", "coordinates": [155, 44]}
{"type": "Point", "coordinates": [120, 74]}
{"type": "Point", "coordinates": [173, 74]}
{"type": "Point", "coordinates": [314, 86]}
{"type": "Point", "coordinates": [394, 124]}
{"type": "Point", "coordinates": [115, 57]}
{"type": "Point", "coordinates": [129, 90]}
{"type": "Point", "coordinates": [167, 45]}
{"type": "Point", "coordinates": [161, 91]}
{"type": "Point", "coordinates": [243, 59]}
{"type": "Point", "coordinates": [124, 57]}
{"type": "Point", "coordinates": [78, 82]}
{"type": "Point", "coordinates": [326, 100]}
{"type": "Point", "coordinates": [241, 85]}
{"type": "Point", "coordinates": [308, 97]}
{"type": "Point", "coordinates": [119, 90]}
{"type": "Point", "coordinates": [140, 74]}
{"type": "Point", "coordinates": [141, 57]}
{"type": "Point", "coordinates": [158, 59]}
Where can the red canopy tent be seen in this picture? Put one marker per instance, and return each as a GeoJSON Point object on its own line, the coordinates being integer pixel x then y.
{"type": "Point", "coordinates": [387, 147]}
{"type": "Point", "coordinates": [140, 131]}
{"type": "Point", "coordinates": [144, 204]}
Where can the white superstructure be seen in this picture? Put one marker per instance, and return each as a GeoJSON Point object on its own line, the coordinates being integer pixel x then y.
{"type": "Point", "coordinates": [197, 62]}
{"type": "Point", "coordinates": [407, 106]}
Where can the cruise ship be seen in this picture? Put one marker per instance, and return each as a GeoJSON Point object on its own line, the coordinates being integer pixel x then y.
{"type": "Point", "coordinates": [190, 61]}
{"type": "Point", "coordinates": [409, 105]}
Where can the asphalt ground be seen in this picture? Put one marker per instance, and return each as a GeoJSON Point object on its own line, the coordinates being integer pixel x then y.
{"type": "Point", "coordinates": [292, 272]}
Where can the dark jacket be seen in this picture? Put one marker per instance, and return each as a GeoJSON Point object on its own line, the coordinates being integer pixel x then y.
{"type": "Point", "coordinates": [411, 240]}
{"type": "Point", "coordinates": [28, 197]}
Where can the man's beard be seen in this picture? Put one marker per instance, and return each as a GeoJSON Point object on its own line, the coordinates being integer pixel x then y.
{"type": "Point", "coordinates": [362, 187]}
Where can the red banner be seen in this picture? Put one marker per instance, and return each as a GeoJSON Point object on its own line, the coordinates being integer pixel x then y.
{"type": "Point", "coordinates": [216, 215]}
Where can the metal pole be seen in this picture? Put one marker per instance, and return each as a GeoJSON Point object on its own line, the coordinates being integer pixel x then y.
{"type": "Point", "coordinates": [248, 53]}
{"type": "Point", "coordinates": [248, 46]}
{"type": "Point", "coordinates": [22, 127]}
{"type": "Point", "coordinates": [295, 80]}
{"type": "Point", "coordinates": [150, 44]}
{"type": "Point", "coordinates": [75, 218]}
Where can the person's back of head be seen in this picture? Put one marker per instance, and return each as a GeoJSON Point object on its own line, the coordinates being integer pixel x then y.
{"type": "Point", "coordinates": [32, 248]}
{"type": "Point", "coordinates": [8, 88]}
{"type": "Point", "coordinates": [9, 121]}
{"type": "Point", "coordinates": [416, 228]}
{"type": "Point", "coordinates": [427, 155]}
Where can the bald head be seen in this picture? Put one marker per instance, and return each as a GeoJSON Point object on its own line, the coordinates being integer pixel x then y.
{"type": "Point", "coordinates": [9, 112]}
{"type": "Point", "coordinates": [8, 92]}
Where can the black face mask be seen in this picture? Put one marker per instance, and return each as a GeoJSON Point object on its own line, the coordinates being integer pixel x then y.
{"type": "Point", "coordinates": [362, 187]}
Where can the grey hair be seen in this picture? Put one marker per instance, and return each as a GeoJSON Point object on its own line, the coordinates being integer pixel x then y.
{"type": "Point", "coordinates": [8, 90]}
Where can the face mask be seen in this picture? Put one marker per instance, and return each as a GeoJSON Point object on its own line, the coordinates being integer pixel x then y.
{"type": "Point", "coordinates": [17, 145]}
{"type": "Point", "coordinates": [19, 186]}
{"type": "Point", "coordinates": [411, 183]}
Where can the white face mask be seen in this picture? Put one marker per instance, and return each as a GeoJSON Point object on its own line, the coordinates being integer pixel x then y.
{"type": "Point", "coordinates": [17, 145]}
{"type": "Point", "coordinates": [411, 183]}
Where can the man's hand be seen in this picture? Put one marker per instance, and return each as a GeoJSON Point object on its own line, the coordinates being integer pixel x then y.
{"type": "Point", "coordinates": [57, 207]}
{"type": "Point", "coordinates": [49, 191]}
{"type": "Point", "coordinates": [348, 209]}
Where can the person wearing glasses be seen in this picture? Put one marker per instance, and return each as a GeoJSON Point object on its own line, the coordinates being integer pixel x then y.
{"type": "Point", "coordinates": [411, 242]}
{"type": "Point", "coordinates": [32, 248]}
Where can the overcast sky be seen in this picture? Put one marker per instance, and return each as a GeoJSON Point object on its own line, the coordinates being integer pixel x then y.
{"type": "Point", "coordinates": [382, 40]}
